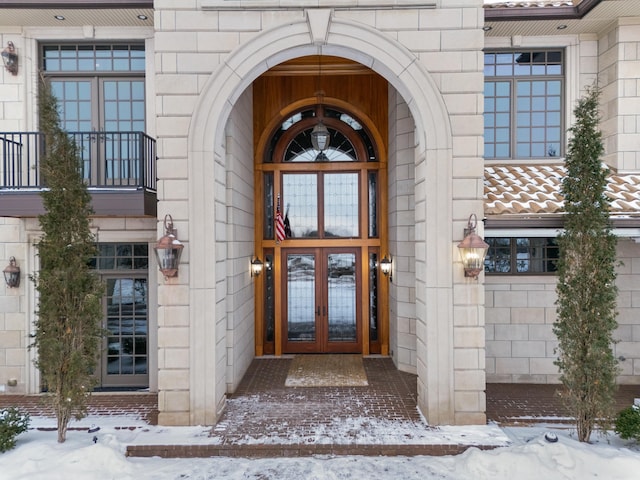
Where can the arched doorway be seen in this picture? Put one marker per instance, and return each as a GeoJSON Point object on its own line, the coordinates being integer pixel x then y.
{"type": "Point", "coordinates": [322, 290]}
{"type": "Point", "coordinates": [431, 149]}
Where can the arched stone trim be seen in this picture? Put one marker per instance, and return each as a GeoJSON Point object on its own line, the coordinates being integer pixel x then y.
{"type": "Point", "coordinates": [433, 189]}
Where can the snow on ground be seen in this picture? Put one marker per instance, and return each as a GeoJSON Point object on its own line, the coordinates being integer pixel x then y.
{"type": "Point", "coordinates": [527, 455]}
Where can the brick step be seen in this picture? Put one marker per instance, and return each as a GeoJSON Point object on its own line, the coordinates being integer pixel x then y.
{"type": "Point", "coordinates": [274, 451]}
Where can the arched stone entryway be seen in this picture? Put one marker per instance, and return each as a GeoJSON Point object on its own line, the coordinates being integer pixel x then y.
{"type": "Point", "coordinates": [318, 33]}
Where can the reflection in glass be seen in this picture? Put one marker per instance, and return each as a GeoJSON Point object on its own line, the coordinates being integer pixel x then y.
{"type": "Point", "coordinates": [498, 259]}
{"type": "Point", "coordinates": [341, 205]}
{"type": "Point", "coordinates": [300, 203]}
{"type": "Point", "coordinates": [373, 297]}
{"type": "Point", "coordinates": [522, 255]}
{"type": "Point", "coordinates": [269, 299]}
{"type": "Point", "coordinates": [123, 106]}
{"type": "Point", "coordinates": [301, 288]}
{"type": "Point", "coordinates": [268, 201]}
{"type": "Point", "coordinates": [373, 204]}
{"type": "Point", "coordinates": [341, 269]}
{"type": "Point", "coordinates": [127, 326]}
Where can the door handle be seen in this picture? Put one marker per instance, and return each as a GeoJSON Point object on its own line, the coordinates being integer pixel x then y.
{"type": "Point", "coordinates": [318, 311]}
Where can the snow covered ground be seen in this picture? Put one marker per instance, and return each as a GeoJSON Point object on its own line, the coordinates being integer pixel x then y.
{"type": "Point", "coordinates": [527, 455]}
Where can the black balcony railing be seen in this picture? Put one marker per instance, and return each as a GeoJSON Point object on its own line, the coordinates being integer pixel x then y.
{"type": "Point", "coordinates": [107, 159]}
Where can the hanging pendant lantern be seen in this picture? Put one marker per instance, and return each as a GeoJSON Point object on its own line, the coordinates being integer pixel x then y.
{"type": "Point", "coordinates": [320, 137]}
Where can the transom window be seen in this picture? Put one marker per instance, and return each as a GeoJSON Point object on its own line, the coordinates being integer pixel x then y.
{"type": "Point", "coordinates": [521, 255]}
{"type": "Point", "coordinates": [523, 98]}
{"type": "Point", "coordinates": [340, 149]}
{"type": "Point", "coordinates": [93, 58]}
{"type": "Point", "coordinates": [121, 256]}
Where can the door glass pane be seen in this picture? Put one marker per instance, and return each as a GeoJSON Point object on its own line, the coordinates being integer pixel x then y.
{"type": "Point", "coordinates": [269, 299]}
{"type": "Point", "coordinates": [127, 326]}
{"type": "Point", "coordinates": [341, 271]}
{"type": "Point", "coordinates": [123, 112]}
{"type": "Point", "coordinates": [373, 204]}
{"type": "Point", "coordinates": [300, 203]}
{"type": "Point", "coordinates": [301, 290]}
{"type": "Point", "coordinates": [74, 101]}
{"type": "Point", "coordinates": [269, 214]}
{"type": "Point", "coordinates": [341, 205]}
{"type": "Point", "coordinates": [373, 297]}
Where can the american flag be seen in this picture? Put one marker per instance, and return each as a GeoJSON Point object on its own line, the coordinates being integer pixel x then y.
{"type": "Point", "coordinates": [280, 233]}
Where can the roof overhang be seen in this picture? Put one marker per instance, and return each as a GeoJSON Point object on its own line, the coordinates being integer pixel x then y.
{"type": "Point", "coordinates": [524, 13]}
{"type": "Point", "coordinates": [80, 4]}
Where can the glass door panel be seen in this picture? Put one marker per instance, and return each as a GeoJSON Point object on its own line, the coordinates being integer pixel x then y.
{"type": "Point", "coordinates": [341, 290]}
{"type": "Point", "coordinates": [78, 114]}
{"type": "Point", "coordinates": [123, 113]}
{"type": "Point", "coordinates": [125, 362]}
{"type": "Point", "coordinates": [301, 291]}
{"type": "Point", "coordinates": [321, 301]}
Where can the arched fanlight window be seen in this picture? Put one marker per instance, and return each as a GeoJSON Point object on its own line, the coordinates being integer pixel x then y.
{"type": "Point", "coordinates": [301, 148]}
{"type": "Point", "coordinates": [343, 129]}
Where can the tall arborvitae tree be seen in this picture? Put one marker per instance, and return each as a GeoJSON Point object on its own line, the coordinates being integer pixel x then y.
{"type": "Point", "coordinates": [586, 277]}
{"type": "Point", "coordinates": [68, 332]}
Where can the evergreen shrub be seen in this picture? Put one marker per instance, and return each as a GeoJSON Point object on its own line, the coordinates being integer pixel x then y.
{"type": "Point", "coordinates": [628, 423]}
{"type": "Point", "coordinates": [12, 424]}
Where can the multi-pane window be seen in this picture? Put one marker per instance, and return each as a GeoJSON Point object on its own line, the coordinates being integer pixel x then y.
{"type": "Point", "coordinates": [125, 359]}
{"type": "Point", "coordinates": [121, 256]}
{"type": "Point", "coordinates": [523, 94]}
{"type": "Point", "coordinates": [93, 58]}
{"type": "Point", "coordinates": [521, 255]}
{"type": "Point", "coordinates": [100, 90]}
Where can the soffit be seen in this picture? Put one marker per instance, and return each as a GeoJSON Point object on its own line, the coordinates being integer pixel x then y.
{"type": "Point", "coordinates": [506, 21]}
{"type": "Point", "coordinates": [45, 17]}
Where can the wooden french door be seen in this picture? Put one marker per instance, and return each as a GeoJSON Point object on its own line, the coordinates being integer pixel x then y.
{"type": "Point", "coordinates": [321, 299]}
{"type": "Point", "coordinates": [321, 291]}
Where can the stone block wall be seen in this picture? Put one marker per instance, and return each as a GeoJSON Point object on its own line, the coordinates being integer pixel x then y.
{"type": "Point", "coordinates": [520, 312]}
{"type": "Point", "coordinates": [619, 64]}
{"type": "Point", "coordinates": [240, 333]}
{"type": "Point", "coordinates": [401, 177]}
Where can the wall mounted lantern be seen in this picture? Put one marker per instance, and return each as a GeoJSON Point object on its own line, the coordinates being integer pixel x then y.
{"type": "Point", "coordinates": [12, 274]}
{"type": "Point", "coordinates": [473, 249]}
{"type": "Point", "coordinates": [10, 58]}
{"type": "Point", "coordinates": [256, 267]}
{"type": "Point", "coordinates": [385, 268]}
{"type": "Point", "coordinates": [169, 249]}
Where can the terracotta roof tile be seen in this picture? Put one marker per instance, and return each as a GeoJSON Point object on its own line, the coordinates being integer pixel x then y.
{"type": "Point", "coordinates": [535, 189]}
{"type": "Point", "coordinates": [529, 4]}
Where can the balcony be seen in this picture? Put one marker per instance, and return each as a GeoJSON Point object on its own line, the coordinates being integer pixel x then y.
{"type": "Point", "coordinates": [119, 169]}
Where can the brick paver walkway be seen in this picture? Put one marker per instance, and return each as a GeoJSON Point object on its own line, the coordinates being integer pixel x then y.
{"type": "Point", "coordinates": [137, 404]}
{"type": "Point", "coordinates": [262, 405]}
{"type": "Point", "coordinates": [263, 408]}
{"type": "Point", "coordinates": [523, 404]}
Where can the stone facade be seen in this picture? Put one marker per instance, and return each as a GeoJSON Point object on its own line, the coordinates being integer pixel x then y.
{"type": "Point", "coordinates": [207, 59]}
{"type": "Point", "coordinates": [202, 57]}
{"type": "Point", "coordinates": [520, 314]}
